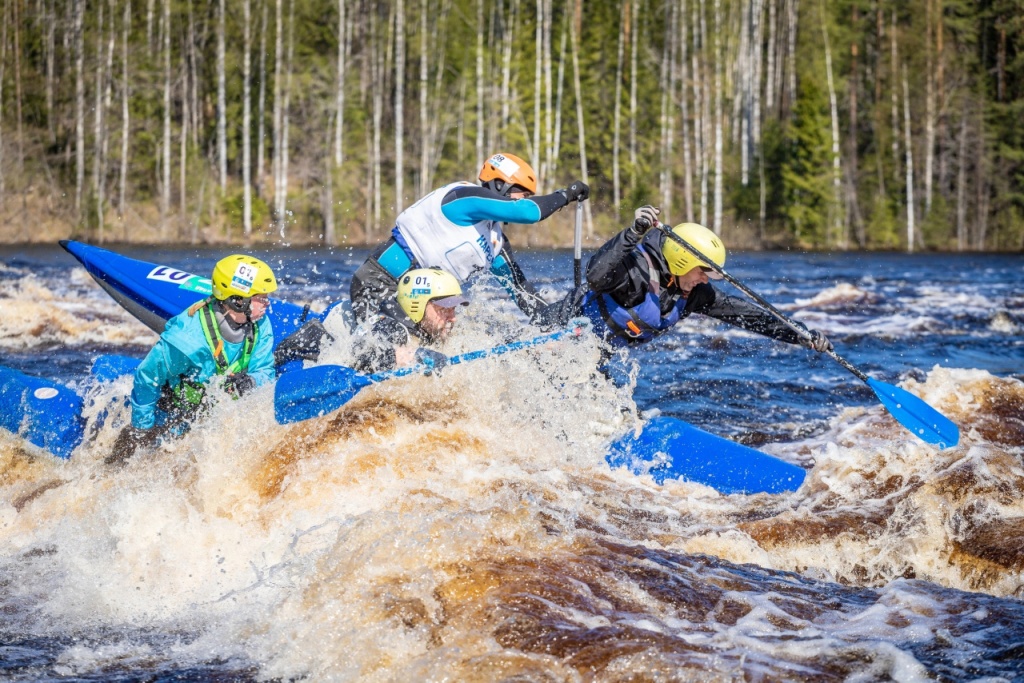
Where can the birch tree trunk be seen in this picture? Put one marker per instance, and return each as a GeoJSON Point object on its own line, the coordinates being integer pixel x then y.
{"type": "Point", "coordinates": [149, 26]}
{"type": "Point", "coordinates": [624, 34]}
{"type": "Point", "coordinates": [480, 89]}
{"type": "Point", "coordinates": [425, 137]}
{"type": "Point", "coordinates": [126, 23]}
{"type": "Point", "coordinates": [791, 35]}
{"type": "Point", "coordinates": [222, 116]}
{"type": "Point", "coordinates": [285, 121]}
{"type": "Point", "coordinates": [961, 185]}
{"type": "Point", "coordinates": [276, 141]}
{"type": "Point", "coordinates": [165, 194]}
{"type": "Point", "coordinates": [538, 63]}
{"type": "Point", "coordinates": [894, 80]}
{"type": "Point", "coordinates": [399, 106]}
{"type": "Point", "coordinates": [183, 221]}
{"type": "Point", "coordinates": [719, 175]}
{"type": "Point", "coordinates": [17, 90]}
{"type": "Point", "coordinates": [556, 148]}
{"type": "Point", "coordinates": [632, 93]}
{"type": "Point", "coordinates": [684, 99]}
{"type": "Point", "coordinates": [854, 87]}
{"type": "Point", "coordinates": [579, 120]}
{"type": "Point", "coordinates": [77, 11]}
{"type": "Point", "coordinates": [837, 228]}
{"type": "Point", "coordinates": [261, 119]}
{"type": "Point", "coordinates": [929, 117]}
{"type": "Point", "coordinates": [910, 164]}
{"type": "Point", "coordinates": [50, 47]}
{"type": "Point", "coordinates": [247, 119]}
{"type": "Point", "coordinates": [378, 107]}
{"type": "Point", "coordinates": [97, 140]}
{"type": "Point", "coordinates": [506, 70]}
{"type": "Point", "coordinates": [339, 116]}
{"type": "Point", "coordinates": [769, 88]}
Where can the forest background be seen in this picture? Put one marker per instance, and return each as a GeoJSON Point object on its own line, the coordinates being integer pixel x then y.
{"type": "Point", "coordinates": [823, 124]}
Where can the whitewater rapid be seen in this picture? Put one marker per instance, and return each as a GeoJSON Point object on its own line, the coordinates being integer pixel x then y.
{"type": "Point", "coordinates": [467, 527]}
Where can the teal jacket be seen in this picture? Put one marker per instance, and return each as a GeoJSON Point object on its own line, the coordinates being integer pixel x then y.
{"type": "Point", "coordinates": [183, 350]}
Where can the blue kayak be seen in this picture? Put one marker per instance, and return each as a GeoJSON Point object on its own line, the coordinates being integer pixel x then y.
{"type": "Point", "coordinates": [42, 412]}
{"type": "Point", "coordinates": [667, 448]}
{"type": "Point", "coordinates": [155, 293]}
{"type": "Point", "coordinates": [48, 415]}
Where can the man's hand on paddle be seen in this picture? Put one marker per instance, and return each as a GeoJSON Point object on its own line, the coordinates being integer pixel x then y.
{"type": "Point", "coordinates": [645, 218]}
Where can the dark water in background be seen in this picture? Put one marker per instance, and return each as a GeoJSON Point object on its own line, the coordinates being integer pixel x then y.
{"type": "Point", "coordinates": [859, 576]}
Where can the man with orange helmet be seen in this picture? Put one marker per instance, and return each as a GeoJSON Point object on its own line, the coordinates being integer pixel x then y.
{"type": "Point", "coordinates": [641, 283]}
{"type": "Point", "coordinates": [458, 228]}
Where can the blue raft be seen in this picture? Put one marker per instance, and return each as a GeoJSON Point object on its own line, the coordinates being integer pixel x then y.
{"type": "Point", "coordinates": [155, 293]}
{"type": "Point", "coordinates": [667, 448]}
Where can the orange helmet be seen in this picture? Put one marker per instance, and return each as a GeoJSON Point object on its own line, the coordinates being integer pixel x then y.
{"type": "Point", "coordinates": [502, 172]}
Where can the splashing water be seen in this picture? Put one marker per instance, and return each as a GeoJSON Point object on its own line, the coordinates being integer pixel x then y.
{"type": "Point", "coordinates": [466, 527]}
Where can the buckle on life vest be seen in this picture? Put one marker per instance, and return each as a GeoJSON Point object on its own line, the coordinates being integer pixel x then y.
{"type": "Point", "coordinates": [633, 327]}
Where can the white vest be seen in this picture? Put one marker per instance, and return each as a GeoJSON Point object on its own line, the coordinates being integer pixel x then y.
{"type": "Point", "coordinates": [436, 242]}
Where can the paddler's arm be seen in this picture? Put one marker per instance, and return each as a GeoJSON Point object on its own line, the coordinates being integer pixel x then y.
{"type": "Point", "coordinates": [470, 204]}
{"type": "Point", "coordinates": [740, 313]}
{"type": "Point", "coordinates": [261, 364]}
{"type": "Point", "coordinates": [619, 270]}
{"type": "Point", "coordinates": [383, 347]}
{"type": "Point", "coordinates": [162, 364]}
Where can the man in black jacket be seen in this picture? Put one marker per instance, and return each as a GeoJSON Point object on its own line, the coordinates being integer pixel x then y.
{"type": "Point", "coordinates": [640, 283]}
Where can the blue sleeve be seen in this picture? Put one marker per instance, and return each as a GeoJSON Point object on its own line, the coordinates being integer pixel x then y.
{"type": "Point", "coordinates": [261, 364]}
{"type": "Point", "coordinates": [469, 204]}
{"type": "Point", "coordinates": [164, 363]}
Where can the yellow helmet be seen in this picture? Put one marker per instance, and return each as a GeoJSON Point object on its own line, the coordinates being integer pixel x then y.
{"type": "Point", "coordinates": [419, 287]}
{"type": "Point", "coordinates": [244, 276]}
{"type": "Point", "coordinates": [504, 171]}
{"type": "Point", "coordinates": [681, 261]}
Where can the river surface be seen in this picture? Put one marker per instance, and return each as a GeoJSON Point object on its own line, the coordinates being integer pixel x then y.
{"type": "Point", "coordinates": [467, 527]}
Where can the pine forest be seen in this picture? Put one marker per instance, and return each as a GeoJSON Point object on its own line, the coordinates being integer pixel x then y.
{"type": "Point", "coordinates": [815, 124]}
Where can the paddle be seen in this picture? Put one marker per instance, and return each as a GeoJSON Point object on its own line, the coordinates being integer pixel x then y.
{"type": "Point", "coordinates": [304, 394]}
{"type": "Point", "coordinates": [921, 419]}
{"type": "Point", "coordinates": [577, 254]}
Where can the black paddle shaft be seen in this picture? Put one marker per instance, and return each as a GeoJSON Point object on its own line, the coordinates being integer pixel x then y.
{"type": "Point", "coordinates": [764, 304]}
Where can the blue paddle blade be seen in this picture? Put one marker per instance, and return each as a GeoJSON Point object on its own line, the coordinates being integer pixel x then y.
{"type": "Point", "coordinates": [921, 419]}
{"type": "Point", "coordinates": [304, 394]}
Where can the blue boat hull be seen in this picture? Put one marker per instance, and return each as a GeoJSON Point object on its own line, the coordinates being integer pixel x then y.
{"type": "Point", "coordinates": [155, 293]}
{"type": "Point", "coordinates": [42, 412]}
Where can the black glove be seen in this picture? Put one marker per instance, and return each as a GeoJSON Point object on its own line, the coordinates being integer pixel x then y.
{"type": "Point", "coordinates": [818, 342]}
{"type": "Point", "coordinates": [128, 441]}
{"type": "Point", "coordinates": [239, 383]}
{"type": "Point", "coordinates": [577, 192]}
{"type": "Point", "coordinates": [645, 218]}
{"type": "Point", "coordinates": [303, 344]}
{"type": "Point", "coordinates": [434, 360]}
{"type": "Point", "coordinates": [701, 299]}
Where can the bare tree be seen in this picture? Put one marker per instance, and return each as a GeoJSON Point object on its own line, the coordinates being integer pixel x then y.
{"type": "Point", "coordinates": [399, 105]}
{"type": "Point", "coordinates": [246, 120]}
{"type": "Point", "coordinates": [624, 32]}
{"type": "Point", "coordinates": [836, 173]}
{"type": "Point", "coordinates": [3, 66]}
{"type": "Point", "coordinates": [339, 120]}
{"type": "Point", "coordinates": [222, 116]}
{"type": "Point", "coordinates": [684, 105]}
{"type": "Point", "coordinates": [285, 122]}
{"type": "Point", "coordinates": [910, 164]}
{"type": "Point", "coordinates": [126, 24]}
{"type": "Point", "coordinates": [77, 12]}
{"type": "Point", "coordinates": [480, 89]}
{"type": "Point", "coordinates": [165, 188]}
{"type": "Point", "coordinates": [579, 116]}
{"type": "Point", "coordinates": [261, 118]}
{"type": "Point", "coordinates": [961, 184]}
{"type": "Point", "coordinates": [719, 175]}
{"type": "Point", "coordinates": [275, 163]}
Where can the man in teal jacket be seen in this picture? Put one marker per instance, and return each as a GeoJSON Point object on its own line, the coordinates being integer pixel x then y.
{"type": "Point", "coordinates": [225, 337]}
